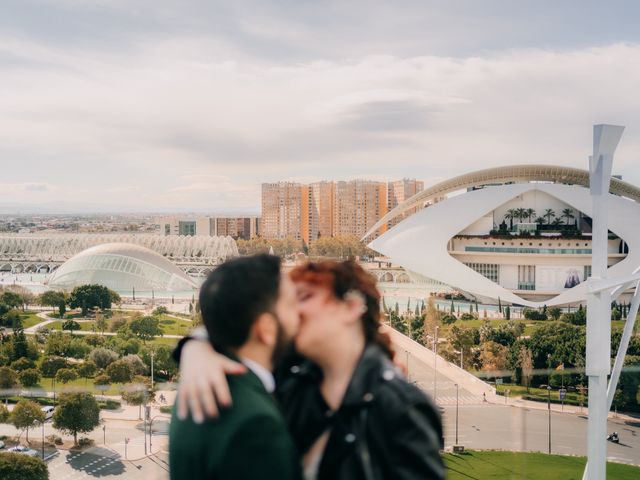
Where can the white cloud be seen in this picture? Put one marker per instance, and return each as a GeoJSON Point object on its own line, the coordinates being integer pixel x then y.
{"type": "Point", "coordinates": [186, 121]}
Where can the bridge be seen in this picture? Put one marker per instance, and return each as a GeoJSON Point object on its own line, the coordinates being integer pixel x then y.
{"type": "Point", "coordinates": [44, 253]}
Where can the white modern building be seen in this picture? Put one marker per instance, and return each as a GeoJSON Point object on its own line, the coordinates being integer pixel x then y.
{"type": "Point", "coordinates": [521, 234]}
{"type": "Point", "coordinates": [122, 267]}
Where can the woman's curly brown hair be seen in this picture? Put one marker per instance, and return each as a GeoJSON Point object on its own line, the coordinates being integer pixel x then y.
{"type": "Point", "coordinates": [341, 278]}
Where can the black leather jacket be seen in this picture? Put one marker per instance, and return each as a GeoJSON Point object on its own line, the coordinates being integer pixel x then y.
{"type": "Point", "coordinates": [384, 429]}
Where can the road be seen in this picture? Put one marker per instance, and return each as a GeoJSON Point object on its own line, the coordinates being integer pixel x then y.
{"type": "Point", "coordinates": [514, 428]}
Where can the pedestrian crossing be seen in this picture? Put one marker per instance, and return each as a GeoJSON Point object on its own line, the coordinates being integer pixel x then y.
{"type": "Point", "coordinates": [462, 400]}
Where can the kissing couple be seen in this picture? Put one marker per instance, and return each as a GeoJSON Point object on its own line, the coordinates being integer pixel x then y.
{"type": "Point", "coordinates": [292, 379]}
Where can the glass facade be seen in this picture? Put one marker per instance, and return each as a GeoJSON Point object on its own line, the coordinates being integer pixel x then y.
{"type": "Point", "coordinates": [526, 277]}
{"type": "Point", "coordinates": [121, 272]}
{"type": "Point", "coordinates": [489, 270]}
{"type": "Point", "coordinates": [543, 251]}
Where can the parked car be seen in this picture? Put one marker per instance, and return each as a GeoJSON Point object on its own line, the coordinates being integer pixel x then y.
{"type": "Point", "coordinates": [48, 411]}
{"type": "Point", "coordinates": [23, 450]}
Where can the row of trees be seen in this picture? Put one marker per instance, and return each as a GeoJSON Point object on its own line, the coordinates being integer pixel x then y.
{"type": "Point", "coordinates": [545, 219]}
{"type": "Point", "coordinates": [76, 412]}
{"type": "Point", "coordinates": [504, 351]}
{"type": "Point", "coordinates": [334, 247]}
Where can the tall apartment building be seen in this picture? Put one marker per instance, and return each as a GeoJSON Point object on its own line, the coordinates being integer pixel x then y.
{"type": "Point", "coordinates": [327, 208]}
{"type": "Point", "coordinates": [236, 227]}
{"type": "Point", "coordinates": [398, 192]}
{"type": "Point", "coordinates": [281, 210]}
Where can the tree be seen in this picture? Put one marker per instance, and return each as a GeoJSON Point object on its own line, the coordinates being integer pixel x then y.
{"type": "Point", "coordinates": [567, 214]}
{"type": "Point", "coordinates": [135, 363]}
{"type": "Point", "coordinates": [101, 323]}
{"type": "Point", "coordinates": [120, 371]}
{"type": "Point", "coordinates": [66, 375]}
{"type": "Point", "coordinates": [102, 357]}
{"type": "Point", "coordinates": [146, 328]}
{"type": "Point", "coordinates": [12, 299]}
{"type": "Point", "coordinates": [25, 414]}
{"type": "Point", "coordinates": [87, 369]}
{"type": "Point", "coordinates": [91, 296]}
{"type": "Point", "coordinates": [71, 325]}
{"type": "Point", "coordinates": [23, 364]}
{"type": "Point", "coordinates": [51, 298]}
{"type": "Point", "coordinates": [526, 364]}
{"type": "Point", "coordinates": [510, 215]}
{"type": "Point", "coordinates": [161, 310]}
{"type": "Point", "coordinates": [530, 213]}
{"type": "Point", "coordinates": [4, 414]}
{"type": "Point", "coordinates": [50, 365]}
{"type": "Point", "coordinates": [29, 377]}
{"type": "Point", "coordinates": [554, 313]}
{"type": "Point", "coordinates": [16, 466]}
{"type": "Point", "coordinates": [507, 312]}
{"type": "Point", "coordinates": [20, 344]}
{"type": "Point", "coordinates": [8, 378]}
{"type": "Point", "coordinates": [549, 214]}
{"type": "Point", "coordinates": [77, 412]}
{"type": "Point", "coordinates": [493, 357]}
{"type": "Point", "coordinates": [432, 319]}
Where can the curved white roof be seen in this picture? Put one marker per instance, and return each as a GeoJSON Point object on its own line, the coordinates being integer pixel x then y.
{"type": "Point", "coordinates": [509, 174]}
{"type": "Point", "coordinates": [121, 267]}
{"type": "Point", "coordinates": [200, 250]}
{"type": "Point", "coordinates": [419, 243]}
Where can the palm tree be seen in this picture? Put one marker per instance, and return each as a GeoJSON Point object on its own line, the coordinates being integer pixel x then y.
{"type": "Point", "coordinates": [522, 213]}
{"type": "Point", "coordinates": [540, 221]}
{"type": "Point", "coordinates": [530, 213]}
{"type": "Point", "coordinates": [548, 213]}
{"type": "Point", "coordinates": [556, 222]}
{"type": "Point", "coordinates": [567, 213]}
{"type": "Point", "coordinates": [510, 215]}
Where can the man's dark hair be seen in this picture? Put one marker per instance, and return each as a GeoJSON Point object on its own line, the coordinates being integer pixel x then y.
{"type": "Point", "coordinates": [235, 294]}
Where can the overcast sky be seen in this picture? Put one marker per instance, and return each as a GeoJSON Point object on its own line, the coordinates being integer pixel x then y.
{"type": "Point", "coordinates": [156, 105]}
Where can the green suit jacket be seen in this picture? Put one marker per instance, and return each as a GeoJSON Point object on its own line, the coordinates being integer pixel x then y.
{"type": "Point", "coordinates": [248, 441]}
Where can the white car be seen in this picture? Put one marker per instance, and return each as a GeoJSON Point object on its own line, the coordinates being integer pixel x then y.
{"type": "Point", "coordinates": [23, 450]}
{"type": "Point", "coordinates": [48, 411]}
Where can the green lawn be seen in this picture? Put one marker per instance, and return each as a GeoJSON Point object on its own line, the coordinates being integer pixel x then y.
{"type": "Point", "coordinates": [519, 390]}
{"type": "Point", "coordinates": [172, 326]}
{"type": "Point", "coordinates": [496, 465]}
{"type": "Point", "coordinates": [29, 319]}
{"type": "Point", "coordinates": [80, 383]}
{"type": "Point", "coordinates": [84, 326]}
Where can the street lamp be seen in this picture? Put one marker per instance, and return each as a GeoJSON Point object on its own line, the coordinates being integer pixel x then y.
{"type": "Point", "coordinates": [151, 431]}
{"type": "Point", "coordinates": [457, 390]}
{"type": "Point", "coordinates": [104, 434]}
{"type": "Point", "coordinates": [435, 365]}
{"type": "Point", "coordinates": [549, 408]}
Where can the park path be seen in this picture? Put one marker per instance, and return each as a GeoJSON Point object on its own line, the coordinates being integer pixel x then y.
{"type": "Point", "coordinates": [48, 320]}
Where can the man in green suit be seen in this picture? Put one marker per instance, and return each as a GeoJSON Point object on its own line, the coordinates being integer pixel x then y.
{"type": "Point", "coordinates": [250, 311]}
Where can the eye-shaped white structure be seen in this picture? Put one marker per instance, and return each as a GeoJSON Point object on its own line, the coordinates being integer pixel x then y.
{"type": "Point", "coordinates": [471, 241]}
{"type": "Point", "coordinates": [121, 267]}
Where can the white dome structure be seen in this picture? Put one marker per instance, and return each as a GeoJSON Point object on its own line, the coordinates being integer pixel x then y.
{"type": "Point", "coordinates": [121, 267]}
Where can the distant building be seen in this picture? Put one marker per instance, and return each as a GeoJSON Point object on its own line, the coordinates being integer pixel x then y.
{"type": "Point", "coordinates": [328, 208]}
{"type": "Point", "coordinates": [281, 209]}
{"type": "Point", "coordinates": [235, 227]}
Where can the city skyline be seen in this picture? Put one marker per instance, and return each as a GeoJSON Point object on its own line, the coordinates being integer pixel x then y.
{"type": "Point", "coordinates": [161, 107]}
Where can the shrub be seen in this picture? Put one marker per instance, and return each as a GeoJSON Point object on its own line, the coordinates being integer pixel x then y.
{"type": "Point", "coordinates": [16, 466]}
{"type": "Point", "coordinates": [448, 319]}
{"type": "Point", "coordinates": [467, 316]}
{"type": "Point", "coordinates": [531, 314]}
{"type": "Point", "coordinates": [160, 311]}
{"type": "Point", "coordinates": [29, 377]}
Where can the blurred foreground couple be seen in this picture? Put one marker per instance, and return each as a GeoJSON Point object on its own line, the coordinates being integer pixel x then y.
{"type": "Point", "coordinates": [335, 406]}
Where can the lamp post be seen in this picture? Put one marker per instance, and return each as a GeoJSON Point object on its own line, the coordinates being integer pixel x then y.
{"type": "Point", "coordinates": [104, 434]}
{"type": "Point", "coordinates": [435, 365]}
{"type": "Point", "coordinates": [42, 424]}
{"type": "Point", "coordinates": [549, 408]}
{"type": "Point", "coordinates": [457, 390]}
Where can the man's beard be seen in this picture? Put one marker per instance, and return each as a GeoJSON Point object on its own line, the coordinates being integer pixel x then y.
{"type": "Point", "coordinates": [283, 347]}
